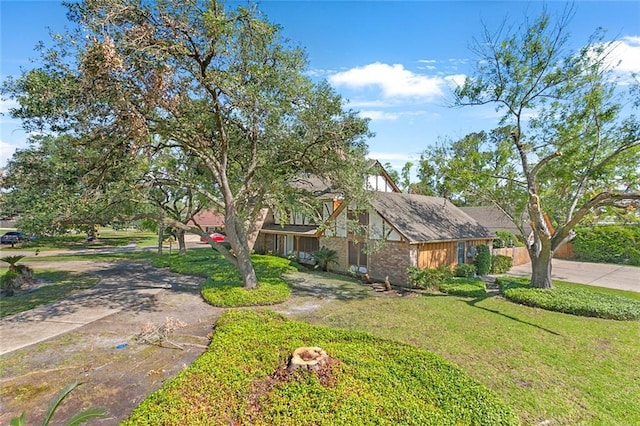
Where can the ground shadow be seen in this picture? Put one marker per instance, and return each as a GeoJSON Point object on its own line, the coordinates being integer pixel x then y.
{"type": "Point", "coordinates": [474, 304]}
{"type": "Point", "coordinates": [122, 286]}
{"type": "Point", "coordinates": [323, 285]}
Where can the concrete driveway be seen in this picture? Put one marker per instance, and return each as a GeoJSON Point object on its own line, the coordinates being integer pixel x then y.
{"type": "Point", "coordinates": [596, 274]}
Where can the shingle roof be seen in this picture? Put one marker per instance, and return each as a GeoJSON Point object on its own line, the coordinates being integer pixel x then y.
{"type": "Point", "coordinates": [493, 218]}
{"type": "Point", "coordinates": [423, 219]}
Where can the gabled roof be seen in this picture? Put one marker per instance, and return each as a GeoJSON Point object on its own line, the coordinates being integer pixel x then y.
{"type": "Point", "coordinates": [208, 218]}
{"type": "Point", "coordinates": [324, 190]}
{"type": "Point", "coordinates": [420, 218]}
{"type": "Point", "coordinates": [316, 186]}
{"type": "Point", "coordinates": [494, 219]}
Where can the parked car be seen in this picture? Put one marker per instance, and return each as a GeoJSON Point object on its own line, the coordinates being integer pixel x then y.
{"type": "Point", "coordinates": [218, 238]}
{"type": "Point", "coordinates": [12, 237]}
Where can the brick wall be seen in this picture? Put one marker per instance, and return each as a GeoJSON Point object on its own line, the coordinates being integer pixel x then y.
{"type": "Point", "coordinates": [340, 246]}
{"type": "Point", "coordinates": [391, 260]}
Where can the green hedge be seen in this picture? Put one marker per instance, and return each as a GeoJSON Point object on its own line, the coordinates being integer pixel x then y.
{"type": "Point", "coordinates": [500, 264]}
{"type": "Point", "coordinates": [224, 286]}
{"type": "Point", "coordinates": [466, 287]}
{"type": "Point", "coordinates": [428, 278]}
{"type": "Point", "coordinates": [572, 299]}
{"type": "Point", "coordinates": [608, 244]}
{"type": "Point", "coordinates": [483, 259]}
{"type": "Point", "coordinates": [465, 270]}
{"type": "Point", "coordinates": [241, 380]}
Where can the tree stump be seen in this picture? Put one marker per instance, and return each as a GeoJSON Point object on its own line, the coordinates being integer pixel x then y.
{"type": "Point", "coordinates": [309, 358]}
{"type": "Point", "coordinates": [387, 284]}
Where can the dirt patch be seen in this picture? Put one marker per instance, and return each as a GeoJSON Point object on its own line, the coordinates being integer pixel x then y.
{"type": "Point", "coordinates": [117, 372]}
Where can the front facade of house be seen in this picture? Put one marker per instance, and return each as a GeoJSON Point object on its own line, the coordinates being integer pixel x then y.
{"type": "Point", "coordinates": [398, 231]}
{"type": "Point", "coordinates": [404, 230]}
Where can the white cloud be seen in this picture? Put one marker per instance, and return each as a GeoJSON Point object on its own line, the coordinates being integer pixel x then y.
{"type": "Point", "coordinates": [394, 157]}
{"type": "Point", "coordinates": [369, 104]}
{"type": "Point", "coordinates": [379, 115]}
{"type": "Point", "coordinates": [456, 79]}
{"type": "Point", "coordinates": [392, 80]}
{"type": "Point", "coordinates": [6, 104]}
{"type": "Point", "coordinates": [625, 55]}
{"type": "Point", "coordinates": [6, 152]}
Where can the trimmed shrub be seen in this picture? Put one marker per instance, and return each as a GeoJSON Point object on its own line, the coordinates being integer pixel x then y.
{"type": "Point", "coordinates": [483, 260]}
{"type": "Point", "coordinates": [466, 287]}
{"type": "Point", "coordinates": [10, 282]}
{"type": "Point", "coordinates": [506, 239]}
{"type": "Point", "coordinates": [608, 244]}
{"type": "Point", "coordinates": [324, 257]}
{"type": "Point", "coordinates": [428, 278]}
{"type": "Point", "coordinates": [465, 270]}
{"type": "Point", "coordinates": [500, 264]}
{"type": "Point", "coordinates": [571, 299]}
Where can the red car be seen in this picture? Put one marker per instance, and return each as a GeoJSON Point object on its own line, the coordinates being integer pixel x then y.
{"type": "Point", "coordinates": [218, 238]}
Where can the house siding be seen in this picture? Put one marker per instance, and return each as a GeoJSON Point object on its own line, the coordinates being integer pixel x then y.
{"type": "Point", "coordinates": [265, 243]}
{"type": "Point", "coordinates": [432, 255]}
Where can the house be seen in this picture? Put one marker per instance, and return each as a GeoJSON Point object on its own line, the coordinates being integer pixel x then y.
{"type": "Point", "coordinates": [410, 230]}
{"type": "Point", "coordinates": [209, 220]}
{"type": "Point", "coordinates": [400, 230]}
{"type": "Point", "coordinates": [494, 219]}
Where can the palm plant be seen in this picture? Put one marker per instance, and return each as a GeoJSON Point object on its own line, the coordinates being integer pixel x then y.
{"type": "Point", "coordinates": [13, 279]}
{"type": "Point", "coordinates": [79, 418]}
{"type": "Point", "coordinates": [324, 256]}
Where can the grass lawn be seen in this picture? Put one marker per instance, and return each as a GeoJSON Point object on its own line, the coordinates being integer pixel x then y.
{"type": "Point", "coordinates": [107, 237]}
{"type": "Point", "coordinates": [224, 286]}
{"type": "Point", "coordinates": [546, 365]}
{"type": "Point", "coordinates": [242, 379]}
{"type": "Point", "coordinates": [62, 284]}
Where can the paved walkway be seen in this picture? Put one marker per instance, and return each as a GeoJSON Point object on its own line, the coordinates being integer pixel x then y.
{"type": "Point", "coordinates": [122, 286]}
{"type": "Point", "coordinates": [596, 274]}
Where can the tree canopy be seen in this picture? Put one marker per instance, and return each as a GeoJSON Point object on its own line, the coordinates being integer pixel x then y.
{"type": "Point", "coordinates": [565, 146]}
{"type": "Point", "coordinates": [218, 85]}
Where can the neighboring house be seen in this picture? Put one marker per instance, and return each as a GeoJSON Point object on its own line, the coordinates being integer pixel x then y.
{"type": "Point", "coordinates": [209, 220]}
{"type": "Point", "coordinates": [402, 230]}
{"type": "Point", "coordinates": [494, 219]}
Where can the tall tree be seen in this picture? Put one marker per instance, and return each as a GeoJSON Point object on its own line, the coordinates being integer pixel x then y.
{"type": "Point", "coordinates": [53, 185]}
{"type": "Point", "coordinates": [217, 84]}
{"type": "Point", "coordinates": [565, 148]}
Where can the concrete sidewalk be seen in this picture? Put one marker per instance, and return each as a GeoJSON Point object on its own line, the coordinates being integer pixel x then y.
{"type": "Point", "coordinates": [596, 274]}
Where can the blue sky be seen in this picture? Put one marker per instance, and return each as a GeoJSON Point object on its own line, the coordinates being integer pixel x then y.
{"type": "Point", "coordinates": [394, 61]}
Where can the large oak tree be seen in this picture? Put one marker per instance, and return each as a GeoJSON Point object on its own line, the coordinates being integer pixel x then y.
{"type": "Point", "coordinates": [218, 84]}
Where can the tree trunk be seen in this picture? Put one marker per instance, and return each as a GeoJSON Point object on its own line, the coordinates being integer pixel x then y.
{"type": "Point", "coordinates": [541, 269]}
{"type": "Point", "coordinates": [160, 236]}
{"type": "Point", "coordinates": [249, 278]}
{"type": "Point", "coordinates": [237, 237]}
{"type": "Point", "coordinates": [182, 247]}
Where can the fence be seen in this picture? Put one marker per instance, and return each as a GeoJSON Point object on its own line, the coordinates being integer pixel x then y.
{"type": "Point", "coordinates": [520, 255]}
{"type": "Point", "coordinates": [565, 251]}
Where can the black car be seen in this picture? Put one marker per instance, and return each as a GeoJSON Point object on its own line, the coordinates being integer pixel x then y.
{"type": "Point", "coordinates": [12, 237]}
